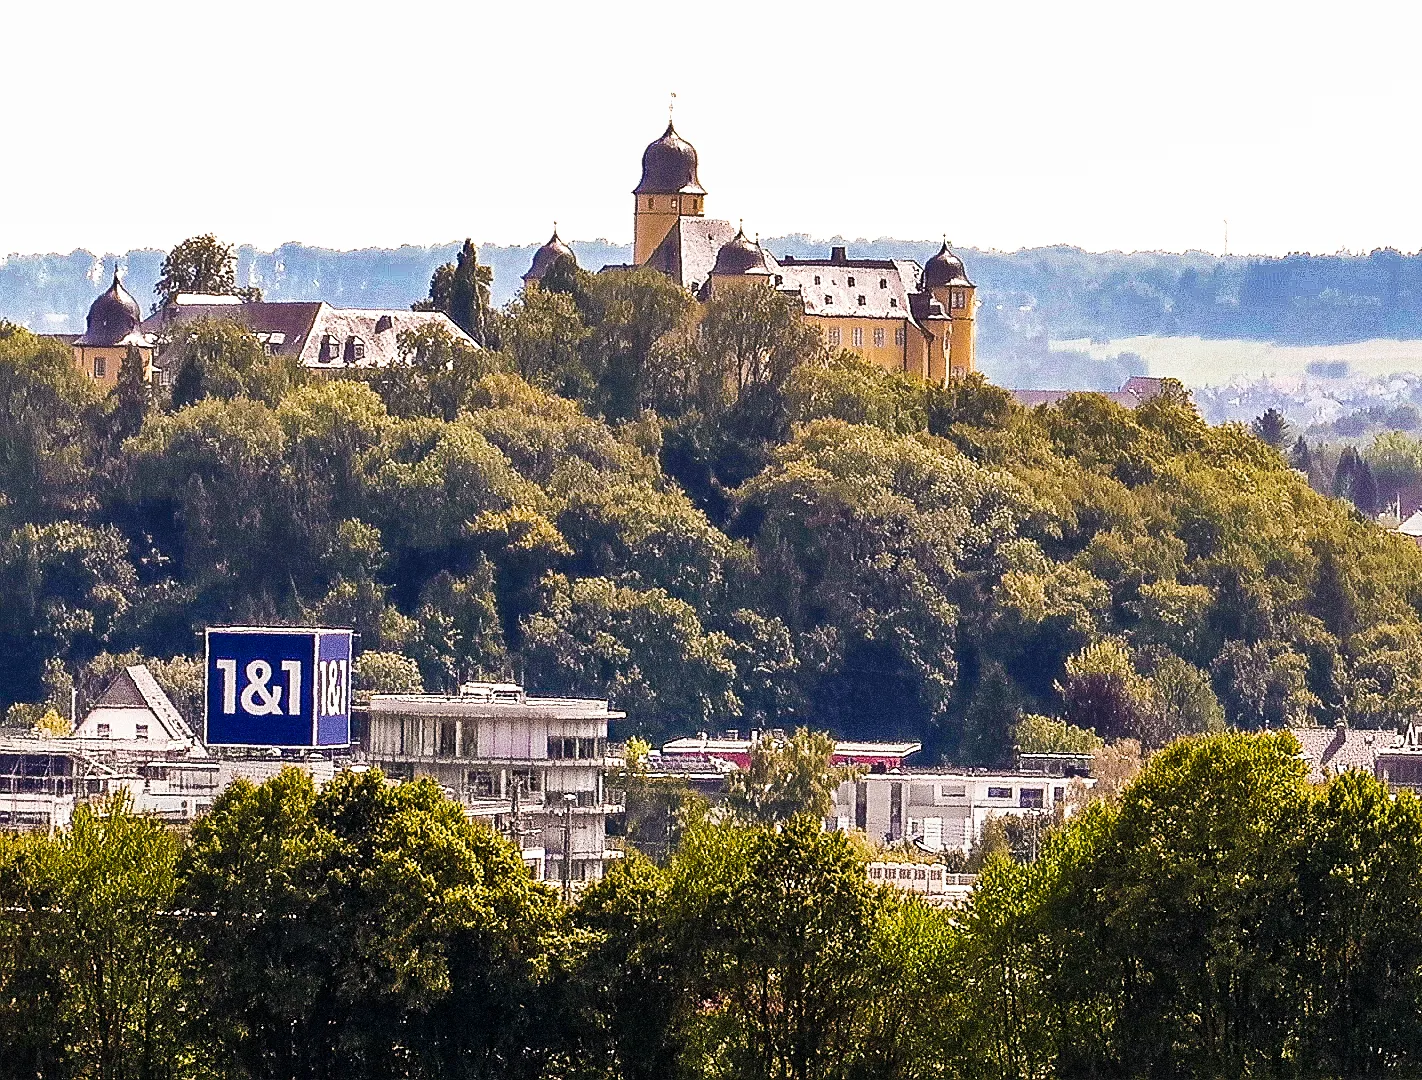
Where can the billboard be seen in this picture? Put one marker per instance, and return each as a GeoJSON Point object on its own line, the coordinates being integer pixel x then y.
{"type": "Point", "coordinates": [278, 686]}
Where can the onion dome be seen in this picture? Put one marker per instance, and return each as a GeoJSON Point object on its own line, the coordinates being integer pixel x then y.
{"type": "Point", "coordinates": [945, 268]}
{"type": "Point", "coordinates": [669, 167]}
{"type": "Point", "coordinates": [546, 256]}
{"type": "Point", "coordinates": [112, 317]}
{"type": "Point", "coordinates": [739, 257]}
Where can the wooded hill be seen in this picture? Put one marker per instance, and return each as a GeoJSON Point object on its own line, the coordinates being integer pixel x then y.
{"type": "Point", "coordinates": [709, 519]}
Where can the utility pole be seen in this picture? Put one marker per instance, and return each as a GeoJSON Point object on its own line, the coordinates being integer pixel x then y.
{"type": "Point", "coordinates": [569, 798]}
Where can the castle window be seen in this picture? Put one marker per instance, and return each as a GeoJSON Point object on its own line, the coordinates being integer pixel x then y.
{"type": "Point", "coordinates": [861, 299]}
{"type": "Point", "coordinates": [140, 731]}
{"type": "Point", "coordinates": [893, 301]}
{"type": "Point", "coordinates": [859, 337]}
{"type": "Point", "coordinates": [883, 283]}
{"type": "Point", "coordinates": [817, 279]}
{"type": "Point", "coordinates": [958, 299]}
{"type": "Point", "coordinates": [779, 279]}
{"type": "Point", "coordinates": [900, 338]}
{"type": "Point", "coordinates": [834, 336]}
{"type": "Point", "coordinates": [851, 283]}
{"type": "Point", "coordinates": [878, 337]}
{"type": "Point", "coordinates": [829, 299]}
{"type": "Point", "coordinates": [651, 203]}
{"type": "Point", "coordinates": [101, 367]}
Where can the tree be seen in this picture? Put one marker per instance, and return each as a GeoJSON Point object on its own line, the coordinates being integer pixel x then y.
{"type": "Point", "coordinates": [1043, 735]}
{"type": "Point", "coordinates": [542, 334]}
{"type": "Point", "coordinates": [65, 591]}
{"type": "Point", "coordinates": [211, 358]}
{"type": "Point", "coordinates": [200, 264]}
{"type": "Point", "coordinates": [787, 778]}
{"type": "Point", "coordinates": [1104, 693]}
{"type": "Point", "coordinates": [462, 290]}
{"type": "Point", "coordinates": [362, 931]}
{"type": "Point", "coordinates": [749, 343]}
{"type": "Point", "coordinates": [1272, 427]}
{"type": "Point", "coordinates": [97, 897]}
{"type": "Point", "coordinates": [47, 452]}
{"type": "Point", "coordinates": [387, 673]}
{"type": "Point", "coordinates": [1302, 458]}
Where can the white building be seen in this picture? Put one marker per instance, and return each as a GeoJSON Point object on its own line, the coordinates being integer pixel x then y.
{"type": "Point", "coordinates": [942, 811]}
{"type": "Point", "coordinates": [934, 882]}
{"type": "Point", "coordinates": [535, 766]}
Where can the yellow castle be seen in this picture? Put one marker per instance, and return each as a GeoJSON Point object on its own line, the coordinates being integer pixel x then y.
{"type": "Point", "coordinates": [893, 312]}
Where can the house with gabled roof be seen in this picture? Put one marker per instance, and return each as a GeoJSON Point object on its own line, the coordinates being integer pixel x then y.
{"type": "Point", "coordinates": [134, 713]}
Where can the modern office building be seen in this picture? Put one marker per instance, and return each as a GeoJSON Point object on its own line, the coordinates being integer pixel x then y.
{"type": "Point", "coordinates": [535, 767]}
{"type": "Point", "coordinates": [943, 811]}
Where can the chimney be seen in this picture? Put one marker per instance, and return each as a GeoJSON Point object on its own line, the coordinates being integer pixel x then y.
{"type": "Point", "coordinates": [837, 256]}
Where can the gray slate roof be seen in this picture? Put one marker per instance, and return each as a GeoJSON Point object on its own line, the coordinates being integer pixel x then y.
{"type": "Point", "coordinates": [300, 328]}
{"type": "Point", "coordinates": [688, 252]}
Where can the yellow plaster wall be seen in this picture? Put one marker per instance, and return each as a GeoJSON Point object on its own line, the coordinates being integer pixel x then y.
{"type": "Point", "coordinates": [113, 357]}
{"type": "Point", "coordinates": [911, 357]}
{"type": "Point", "coordinates": [963, 358]}
{"type": "Point", "coordinates": [653, 217]}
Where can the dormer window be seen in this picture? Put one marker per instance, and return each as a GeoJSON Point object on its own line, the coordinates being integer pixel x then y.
{"type": "Point", "coordinates": [384, 323]}
{"type": "Point", "coordinates": [355, 350]}
{"type": "Point", "coordinates": [330, 348]}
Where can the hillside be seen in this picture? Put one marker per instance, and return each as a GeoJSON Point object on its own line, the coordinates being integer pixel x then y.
{"type": "Point", "coordinates": [602, 507]}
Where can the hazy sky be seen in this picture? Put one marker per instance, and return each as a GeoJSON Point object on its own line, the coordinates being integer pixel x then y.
{"type": "Point", "coordinates": [1107, 125]}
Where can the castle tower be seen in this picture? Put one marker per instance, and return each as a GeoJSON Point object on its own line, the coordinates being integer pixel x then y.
{"type": "Point", "coordinates": [946, 280]}
{"type": "Point", "coordinates": [545, 258]}
{"type": "Point", "coordinates": [669, 191]}
{"type": "Point", "coordinates": [111, 329]}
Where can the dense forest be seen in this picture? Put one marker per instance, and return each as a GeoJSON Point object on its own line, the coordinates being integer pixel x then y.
{"type": "Point", "coordinates": [1219, 917]}
{"type": "Point", "coordinates": [705, 516]}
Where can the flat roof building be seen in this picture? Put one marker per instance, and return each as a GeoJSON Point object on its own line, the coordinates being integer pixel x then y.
{"type": "Point", "coordinates": [535, 767]}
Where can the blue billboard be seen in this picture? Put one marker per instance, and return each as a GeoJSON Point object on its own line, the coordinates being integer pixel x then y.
{"type": "Point", "coordinates": [278, 686]}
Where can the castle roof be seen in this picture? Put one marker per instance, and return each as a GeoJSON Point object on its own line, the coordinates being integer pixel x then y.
{"type": "Point", "coordinates": [945, 268]}
{"type": "Point", "coordinates": [853, 288]}
{"type": "Point", "coordinates": [113, 318]}
{"type": "Point", "coordinates": [740, 257]}
{"type": "Point", "coordinates": [669, 167]}
{"type": "Point", "coordinates": [546, 256]}
{"type": "Point", "coordinates": [311, 330]}
{"type": "Point", "coordinates": [688, 252]}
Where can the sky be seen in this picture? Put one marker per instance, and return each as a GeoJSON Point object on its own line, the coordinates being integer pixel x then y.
{"type": "Point", "coordinates": [1111, 126]}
